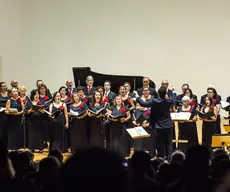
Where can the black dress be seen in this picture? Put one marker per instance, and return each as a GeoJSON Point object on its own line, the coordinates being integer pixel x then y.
{"type": "Point", "coordinates": [118, 134]}
{"type": "Point", "coordinates": [208, 130]}
{"type": "Point", "coordinates": [58, 136]}
{"type": "Point", "coordinates": [78, 129]}
{"type": "Point", "coordinates": [96, 127]}
{"type": "Point", "coordinates": [145, 144]}
{"type": "Point", "coordinates": [35, 129]}
{"type": "Point", "coordinates": [15, 134]}
{"type": "Point", "coordinates": [47, 122]}
{"type": "Point", "coordinates": [4, 121]}
{"type": "Point", "coordinates": [188, 130]}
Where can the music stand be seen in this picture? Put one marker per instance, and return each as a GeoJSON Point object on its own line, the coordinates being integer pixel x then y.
{"type": "Point", "coordinates": [227, 128]}
{"type": "Point", "coordinates": [221, 141]}
{"type": "Point", "coordinates": [178, 141]}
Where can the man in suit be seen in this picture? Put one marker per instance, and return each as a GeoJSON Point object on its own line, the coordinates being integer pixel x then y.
{"type": "Point", "coordinates": [146, 84]}
{"type": "Point", "coordinates": [161, 122]}
{"type": "Point", "coordinates": [89, 88]}
{"type": "Point", "coordinates": [70, 88]}
{"type": "Point", "coordinates": [127, 89]}
{"type": "Point", "coordinates": [202, 99]}
{"type": "Point", "coordinates": [108, 93]}
{"type": "Point", "coordinates": [169, 93]}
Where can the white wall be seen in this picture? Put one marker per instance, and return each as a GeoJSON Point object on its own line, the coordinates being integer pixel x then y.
{"type": "Point", "coordinates": [180, 40]}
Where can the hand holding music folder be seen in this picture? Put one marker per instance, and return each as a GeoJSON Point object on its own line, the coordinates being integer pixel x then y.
{"type": "Point", "coordinates": [117, 116]}
{"type": "Point", "coordinates": [140, 119]}
{"type": "Point", "coordinates": [207, 115]}
{"type": "Point", "coordinates": [2, 109]}
{"type": "Point", "coordinates": [97, 112]}
{"type": "Point", "coordinates": [54, 114]}
{"type": "Point", "coordinates": [75, 114]}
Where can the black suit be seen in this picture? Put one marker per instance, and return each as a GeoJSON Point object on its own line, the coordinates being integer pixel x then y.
{"type": "Point", "coordinates": [111, 96]}
{"type": "Point", "coordinates": [132, 95]}
{"type": "Point", "coordinates": [91, 91]}
{"type": "Point", "coordinates": [161, 123]}
{"type": "Point", "coordinates": [171, 94]}
{"type": "Point", "coordinates": [152, 92]}
{"type": "Point", "coordinates": [73, 91]}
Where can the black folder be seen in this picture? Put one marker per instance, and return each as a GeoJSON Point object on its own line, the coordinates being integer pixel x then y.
{"type": "Point", "coordinates": [3, 102]}
{"type": "Point", "coordinates": [79, 114]}
{"type": "Point", "coordinates": [54, 114]}
{"type": "Point", "coordinates": [207, 115]}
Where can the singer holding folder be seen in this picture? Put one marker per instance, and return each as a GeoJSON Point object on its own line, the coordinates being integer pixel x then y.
{"type": "Point", "coordinates": [15, 108]}
{"type": "Point", "coordinates": [119, 115]}
{"type": "Point", "coordinates": [209, 122]}
{"type": "Point", "coordinates": [95, 113]}
{"type": "Point", "coordinates": [188, 129]}
{"type": "Point", "coordinates": [78, 129]}
{"type": "Point", "coordinates": [35, 123]}
{"type": "Point", "coordinates": [4, 96]}
{"type": "Point", "coordinates": [60, 123]}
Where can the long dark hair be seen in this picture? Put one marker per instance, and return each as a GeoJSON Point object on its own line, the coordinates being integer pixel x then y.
{"type": "Point", "coordinates": [191, 93]}
{"type": "Point", "coordinates": [214, 92]}
{"type": "Point", "coordinates": [93, 101]}
{"type": "Point", "coordinates": [211, 102]}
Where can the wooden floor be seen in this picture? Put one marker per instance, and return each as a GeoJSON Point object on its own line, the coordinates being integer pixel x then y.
{"type": "Point", "coordinates": [39, 156]}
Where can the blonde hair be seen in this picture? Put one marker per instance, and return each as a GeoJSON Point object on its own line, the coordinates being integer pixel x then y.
{"type": "Point", "coordinates": [20, 88]}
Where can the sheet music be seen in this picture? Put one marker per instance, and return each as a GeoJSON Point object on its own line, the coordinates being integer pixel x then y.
{"type": "Point", "coordinates": [223, 113]}
{"type": "Point", "coordinates": [224, 104]}
{"type": "Point", "coordinates": [141, 131]}
{"type": "Point", "coordinates": [2, 109]}
{"type": "Point", "coordinates": [182, 116]}
{"type": "Point", "coordinates": [74, 113]}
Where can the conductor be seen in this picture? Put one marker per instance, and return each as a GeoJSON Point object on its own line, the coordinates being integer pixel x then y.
{"type": "Point", "coordinates": [161, 122]}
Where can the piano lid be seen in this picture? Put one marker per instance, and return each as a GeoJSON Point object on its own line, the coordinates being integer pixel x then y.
{"type": "Point", "coordinates": [80, 74]}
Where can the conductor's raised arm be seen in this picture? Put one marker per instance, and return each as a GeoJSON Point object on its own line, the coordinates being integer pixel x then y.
{"type": "Point", "coordinates": [145, 103]}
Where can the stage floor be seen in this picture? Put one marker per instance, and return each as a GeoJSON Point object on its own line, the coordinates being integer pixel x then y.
{"type": "Point", "coordinates": [39, 156]}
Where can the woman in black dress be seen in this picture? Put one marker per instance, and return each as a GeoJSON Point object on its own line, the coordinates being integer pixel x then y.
{"type": "Point", "coordinates": [58, 137]}
{"type": "Point", "coordinates": [96, 121]}
{"type": "Point", "coordinates": [4, 96]}
{"type": "Point", "coordinates": [35, 129]}
{"type": "Point", "coordinates": [145, 144]}
{"type": "Point", "coordinates": [213, 93]}
{"type": "Point", "coordinates": [44, 97]}
{"type": "Point", "coordinates": [188, 129]}
{"type": "Point", "coordinates": [15, 108]}
{"type": "Point", "coordinates": [118, 134]}
{"type": "Point", "coordinates": [78, 129]}
{"type": "Point", "coordinates": [209, 124]}
{"type": "Point", "coordinates": [24, 98]}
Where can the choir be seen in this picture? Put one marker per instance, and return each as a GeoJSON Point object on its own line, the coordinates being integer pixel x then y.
{"type": "Point", "coordinates": [75, 117]}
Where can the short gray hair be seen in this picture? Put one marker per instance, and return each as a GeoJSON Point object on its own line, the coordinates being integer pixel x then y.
{"type": "Point", "coordinates": [186, 98]}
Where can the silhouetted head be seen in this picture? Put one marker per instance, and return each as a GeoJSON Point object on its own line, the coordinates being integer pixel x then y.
{"type": "Point", "coordinates": [162, 92]}
{"type": "Point", "coordinates": [58, 154]}
{"type": "Point", "coordinates": [94, 169]}
{"type": "Point", "coordinates": [197, 161]}
{"type": "Point", "coordinates": [140, 162]}
{"type": "Point", "coordinates": [48, 166]}
{"type": "Point", "coordinates": [177, 157]}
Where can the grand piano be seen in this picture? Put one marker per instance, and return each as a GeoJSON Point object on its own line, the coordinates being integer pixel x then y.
{"type": "Point", "coordinates": [80, 74]}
